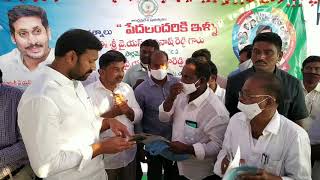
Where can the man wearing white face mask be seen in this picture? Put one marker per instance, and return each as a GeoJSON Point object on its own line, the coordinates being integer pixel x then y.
{"type": "Point", "coordinates": [150, 94]}
{"type": "Point", "coordinates": [278, 147]}
{"type": "Point", "coordinates": [244, 60]}
{"type": "Point", "coordinates": [199, 120]}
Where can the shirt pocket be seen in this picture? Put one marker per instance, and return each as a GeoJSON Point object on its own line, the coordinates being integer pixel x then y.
{"type": "Point", "coordinates": [190, 134]}
{"type": "Point", "coordinates": [274, 167]}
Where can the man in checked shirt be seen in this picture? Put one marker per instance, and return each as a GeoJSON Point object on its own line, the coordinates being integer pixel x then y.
{"type": "Point", "coordinates": [14, 162]}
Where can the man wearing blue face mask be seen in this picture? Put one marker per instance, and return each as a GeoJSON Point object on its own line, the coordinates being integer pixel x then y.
{"type": "Point", "coordinates": [150, 94]}
{"type": "Point", "coordinates": [199, 120]}
{"type": "Point", "coordinates": [278, 147]}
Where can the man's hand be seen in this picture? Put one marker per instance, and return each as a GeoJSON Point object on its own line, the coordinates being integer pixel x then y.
{"type": "Point", "coordinates": [261, 175]}
{"type": "Point", "coordinates": [112, 145]}
{"type": "Point", "coordinates": [181, 148]}
{"type": "Point", "coordinates": [123, 107]}
{"type": "Point", "coordinates": [117, 127]}
{"type": "Point", "coordinates": [175, 90]}
{"type": "Point", "coordinates": [224, 164]}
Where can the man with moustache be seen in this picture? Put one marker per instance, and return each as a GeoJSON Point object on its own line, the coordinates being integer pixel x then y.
{"type": "Point", "coordinates": [266, 53]}
{"type": "Point", "coordinates": [311, 86]}
{"type": "Point", "coordinates": [56, 117]}
{"type": "Point", "coordinates": [30, 31]}
{"type": "Point", "coordinates": [113, 98]}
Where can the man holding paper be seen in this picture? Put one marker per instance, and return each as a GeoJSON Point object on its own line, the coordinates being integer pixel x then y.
{"type": "Point", "coordinates": [278, 147]}
{"type": "Point", "coordinates": [199, 120]}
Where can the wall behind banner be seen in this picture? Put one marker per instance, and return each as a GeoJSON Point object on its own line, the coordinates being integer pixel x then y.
{"type": "Point", "coordinates": [180, 28]}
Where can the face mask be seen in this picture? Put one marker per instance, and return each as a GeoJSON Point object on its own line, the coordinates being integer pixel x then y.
{"type": "Point", "coordinates": [245, 65]}
{"type": "Point", "coordinates": [158, 74]}
{"type": "Point", "coordinates": [189, 88]}
{"type": "Point", "coordinates": [250, 110]}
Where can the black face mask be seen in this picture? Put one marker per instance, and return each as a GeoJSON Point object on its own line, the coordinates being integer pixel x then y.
{"type": "Point", "coordinates": [311, 78]}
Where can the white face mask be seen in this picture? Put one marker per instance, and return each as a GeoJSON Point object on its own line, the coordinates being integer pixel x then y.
{"type": "Point", "coordinates": [189, 88]}
{"type": "Point", "coordinates": [250, 110]}
{"type": "Point", "coordinates": [245, 65]}
{"type": "Point", "coordinates": [158, 74]}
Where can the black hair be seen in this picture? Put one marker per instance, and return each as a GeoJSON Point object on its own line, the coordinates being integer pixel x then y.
{"type": "Point", "coordinates": [77, 40]}
{"type": "Point", "coordinates": [160, 52]}
{"type": "Point", "coordinates": [20, 11]}
{"type": "Point", "coordinates": [310, 59]}
{"type": "Point", "coordinates": [110, 57]}
{"type": "Point", "coordinates": [202, 52]}
{"type": "Point", "coordinates": [270, 83]}
{"type": "Point", "coordinates": [247, 49]}
{"type": "Point", "coordinates": [151, 43]}
{"type": "Point", "coordinates": [213, 68]}
{"type": "Point", "coordinates": [202, 67]}
{"type": "Point", "coordinates": [269, 37]}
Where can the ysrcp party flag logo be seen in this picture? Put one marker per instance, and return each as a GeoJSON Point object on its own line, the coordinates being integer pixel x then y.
{"type": "Point", "coordinates": [148, 7]}
{"type": "Point", "coordinates": [265, 19]}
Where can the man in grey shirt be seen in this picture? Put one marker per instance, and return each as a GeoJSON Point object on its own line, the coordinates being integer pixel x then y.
{"type": "Point", "coordinates": [150, 94]}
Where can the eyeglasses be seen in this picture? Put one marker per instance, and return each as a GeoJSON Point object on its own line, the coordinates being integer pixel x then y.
{"type": "Point", "coordinates": [246, 95]}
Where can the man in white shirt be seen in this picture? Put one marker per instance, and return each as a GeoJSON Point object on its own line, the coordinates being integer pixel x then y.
{"type": "Point", "coordinates": [220, 92]}
{"type": "Point", "coordinates": [199, 120]}
{"type": "Point", "coordinates": [56, 118]}
{"type": "Point", "coordinates": [311, 87]}
{"type": "Point", "coordinates": [136, 74]}
{"type": "Point", "coordinates": [113, 98]}
{"type": "Point", "coordinates": [31, 33]}
{"type": "Point", "coordinates": [278, 147]}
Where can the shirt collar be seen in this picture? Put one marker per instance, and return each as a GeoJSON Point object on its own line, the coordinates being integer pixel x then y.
{"type": "Point", "coordinates": [318, 87]}
{"type": "Point", "coordinates": [59, 78]}
{"type": "Point", "coordinates": [139, 67]}
{"type": "Point", "coordinates": [315, 89]}
{"type": "Point", "coordinates": [198, 101]}
{"type": "Point", "coordinates": [219, 90]}
{"type": "Point", "coordinates": [274, 125]}
{"type": "Point", "coordinates": [99, 85]}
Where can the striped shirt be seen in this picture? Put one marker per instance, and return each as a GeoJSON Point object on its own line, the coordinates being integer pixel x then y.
{"type": "Point", "coordinates": [12, 150]}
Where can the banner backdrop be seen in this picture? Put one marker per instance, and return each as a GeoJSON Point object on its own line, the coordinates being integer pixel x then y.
{"type": "Point", "coordinates": [179, 27]}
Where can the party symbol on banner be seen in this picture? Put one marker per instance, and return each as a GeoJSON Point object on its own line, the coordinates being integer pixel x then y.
{"type": "Point", "coordinates": [148, 7]}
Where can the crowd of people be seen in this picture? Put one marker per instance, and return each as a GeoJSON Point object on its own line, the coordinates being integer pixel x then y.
{"type": "Point", "coordinates": [61, 118]}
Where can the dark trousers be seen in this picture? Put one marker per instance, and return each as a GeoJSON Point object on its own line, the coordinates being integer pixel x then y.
{"type": "Point", "coordinates": [155, 166]}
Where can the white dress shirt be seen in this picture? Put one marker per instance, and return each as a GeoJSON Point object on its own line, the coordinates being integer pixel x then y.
{"type": "Point", "coordinates": [102, 99]}
{"type": "Point", "coordinates": [212, 119]}
{"type": "Point", "coordinates": [312, 123]}
{"type": "Point", "coordinates": [283, 149]}
{"type": "Point", "coordinates": [221, 93]}
{"type": "Point", "coordinates": [58, 127]}
{"type": "Point", "coordinates": [15, 73]}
